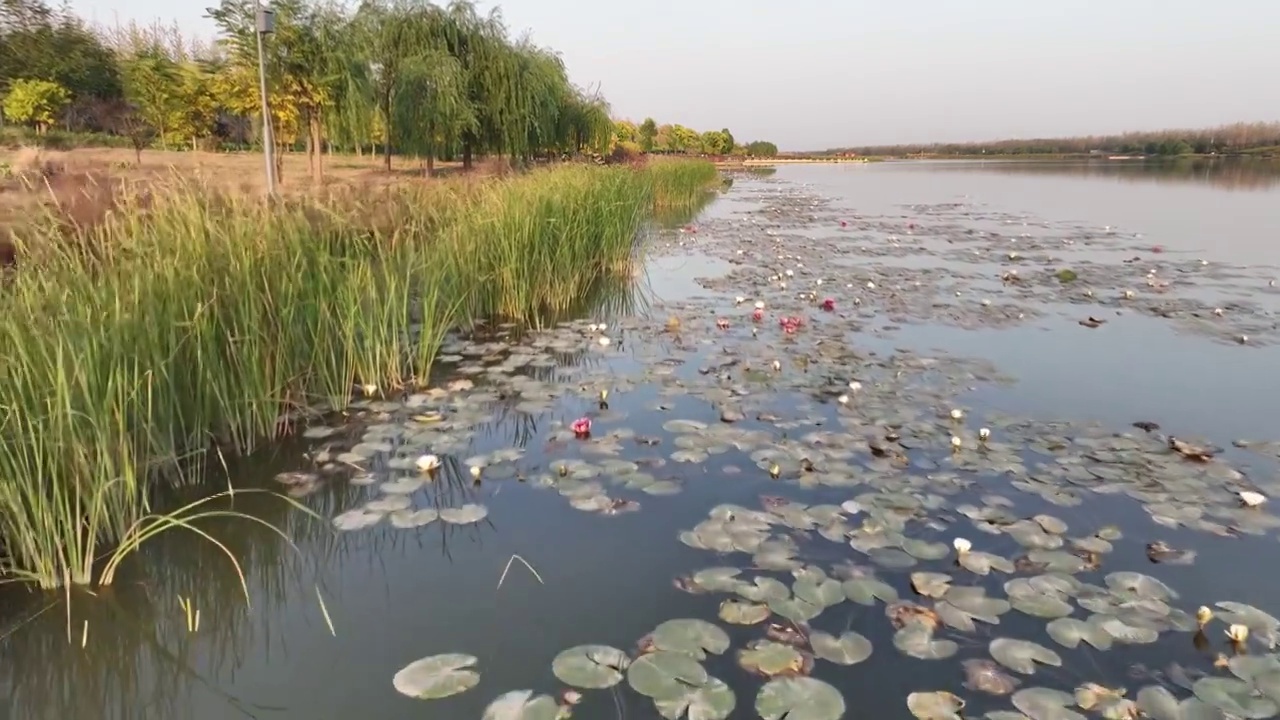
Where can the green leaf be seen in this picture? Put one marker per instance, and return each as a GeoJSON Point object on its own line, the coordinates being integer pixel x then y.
{"type": "Point", "coordinates": [800, 698]}
{"type": "Point", "coordinates": [438, 676]}
{"type": "Point", "coordinates": [590, 667]}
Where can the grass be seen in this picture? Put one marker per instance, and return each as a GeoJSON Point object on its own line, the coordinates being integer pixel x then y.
{"type": "Point", "coordinates": [184, 320]}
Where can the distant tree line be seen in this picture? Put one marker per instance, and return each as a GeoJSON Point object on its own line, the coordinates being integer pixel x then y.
{"type": "Point", "coordinates": [1225, 139]}
{"type": "Point", "coordinates": [649, 136]}
{"type": "Point", "coordinates": [388, 76]}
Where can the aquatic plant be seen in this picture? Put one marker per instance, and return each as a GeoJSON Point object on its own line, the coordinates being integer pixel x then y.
{"type": "Point", "coordinates": [191, 320]}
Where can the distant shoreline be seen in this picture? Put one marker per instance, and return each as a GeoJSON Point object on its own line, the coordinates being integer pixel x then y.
{"type": "Point", "coordinates": [820, 160]}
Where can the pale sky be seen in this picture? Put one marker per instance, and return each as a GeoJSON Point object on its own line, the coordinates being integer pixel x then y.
{"type": "Point", "coordinates": [814, 74]}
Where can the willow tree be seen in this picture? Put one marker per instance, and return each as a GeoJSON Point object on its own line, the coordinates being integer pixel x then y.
{"type": "Point", "coordinates": [429, 106]}
{"type": "Point", "coordinates": [585, 123]}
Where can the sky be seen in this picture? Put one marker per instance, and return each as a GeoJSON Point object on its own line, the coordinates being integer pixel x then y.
{"type": "Point", "coordinates": [816, 74]}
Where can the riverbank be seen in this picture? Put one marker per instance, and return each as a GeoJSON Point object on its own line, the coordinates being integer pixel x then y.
{"type": "Point", "coordinates": [186, 319]}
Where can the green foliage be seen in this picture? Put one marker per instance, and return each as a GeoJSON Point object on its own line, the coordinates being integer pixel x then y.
{"type": "Point", "coordinates": [39, 42]}
{"type": "Point", "coordinates": [648, 134]}
{"type": "Point", "coordinates": [761, 148]}
{"type": "Point", "coordinates": [135, 369]}
{"type": "Point", "coordinates": [35, 102]}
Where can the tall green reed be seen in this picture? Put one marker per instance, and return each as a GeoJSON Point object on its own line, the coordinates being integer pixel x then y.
{"type": "Point", "coordinates": [198, 320]}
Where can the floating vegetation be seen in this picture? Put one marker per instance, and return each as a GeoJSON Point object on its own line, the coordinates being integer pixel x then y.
{"type": "Point", "coordinates": [438, 676]}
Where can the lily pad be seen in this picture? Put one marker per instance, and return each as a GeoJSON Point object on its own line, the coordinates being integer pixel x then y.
{"type": "Point", "coordinates": [937, 705]}
{"type": "Point", "coordinates": [712, 701]}
{"type": "Point", "coordinates": [522, 705]}
{"type": "Point", "coordinates": [848, 649]}
{"type": "Point", "coordinates": [1022, 655]}
{"type": "Point", "coordinates": [665, 675]}
{"type": "Point", "coordinates": [771, 659]}
{"type": "Point", "coordinates": [1234, 696]}
{"type": "Point", "coordinates": [465, 515]}
{"type": "Point", "coordinates": [800, 698]}
{"type": "Point", "coordinates": [737, 612]}
{"type": "Point", "coordinates": [438, 676]}
{"type": "Point", "coordinates": [590, 667]}
{"type": "Point", "coordinates": [691, 636]}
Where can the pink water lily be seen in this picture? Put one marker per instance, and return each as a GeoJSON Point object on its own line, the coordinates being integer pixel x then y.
{"type": "Point", "coordinates": [790, 324]}
{"type": "Point", "coordinates": [758, 314]}
{"type": "Point", "coordinates": [828, 304]}
{"type": "Point", "coordinates": [581, 427]}
{"type": "Point", "coordinates": [722, 323]}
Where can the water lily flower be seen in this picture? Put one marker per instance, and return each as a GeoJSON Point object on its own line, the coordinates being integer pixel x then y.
{"type": "Point", "coordinates": [571, 697]}
{"type": "Point", "coordinates": [1203, 616]}
{"type": "Point", "coordinates": [828, 304]}
{"type": "Point", "coordinates": [1243, 339]}
{"type": "Point", "coordinates": [782, 286]}
{"type": "Point", "coordinates": [602, 327]}
{"type": "Point", "coordinates": [604, 341]}
{"type": "Point", "coordinates": [961, 545]}
{"type": "Point", "coordinates": [581, 427]}
{"type": "Point", "coordinates": [1238, 633]}
{"type": "Point", "coordinates": [1128, 294]}
{"type": "Point", "coordinates": [844, 224]}
{"type": "Point", "coordinates": [759, 304]}
{"type": "Point", "coordinates": [790, 273]}
{"type": "Point", "coordinates": [777, 366]}
{"type": "Point", "coordinates": [871, 285]}
{"type": "Point", "coordinates": [1251, 498]}
{"type": "Point", "coordinates": [428, 463]}
{"type": "Point", "coordinates": [757, 315]}
{"type": "Point", "coordinates": [984, 434]}
{"type": "Point", "coordinates": [475, 472]}
{"type": "Point", "coordinates": [739, 300]}
{"type": "Point", "coordinates": [843, 399]}
{"type": "Point", "coordinates": [854, 385]}
{"type": "Point", "coordinates": [819, 281]}
{"type": "Point", "coordinates": [753, 332]}
{"type": "Point", "coordinates": [1217, 311]}
{"type": "Point", "coordinates": [593, 327]}
{"type": "Point", "coordinates": [956, 443]}
{"type": "Point", "coordinates": [1088, 293]}
{"type": "Point", "coordinates": [722, 323]}
{"type": "Point", "coordinates": [774, 470]}
{"type": "Point", "coordinates": [957, 413]}
{"type": "Point", "coordinates": [1013, 256]}
{"type": "Point", "coordinates": [986, 302]}
{"type": "Point", "coordinates": [369, 389]}
{"type": "Point", "coordinates": [604, 395]}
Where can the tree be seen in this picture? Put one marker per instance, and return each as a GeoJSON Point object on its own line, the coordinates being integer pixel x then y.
{"type": "Point", "coordinates": [716, 142]}
{"type": "Point", "coordinates": [37, 42]}
{"type": "Point", "coordinates": [647, 134]}
{"type": "Point", "coordinates": [153, 85]}
{"type": "Point", "coordinates": [729, 142]}
{"type": "Point", "coordinates": [35, 102]}
{"type": "Point", "coordinates": [761, 148]}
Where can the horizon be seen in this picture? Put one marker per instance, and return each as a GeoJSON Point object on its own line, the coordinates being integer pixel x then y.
{"type": "Point", "coordinates": [1051, 73]}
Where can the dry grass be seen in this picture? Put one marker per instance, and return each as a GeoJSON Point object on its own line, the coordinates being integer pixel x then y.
{"type": "Point", "coordinates": [80, 188]}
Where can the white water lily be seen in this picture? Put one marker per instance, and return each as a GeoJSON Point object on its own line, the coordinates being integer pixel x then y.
{"type": "Point", "coordinates": [871, 285]}
{"type": "Point", "coordinates": [1251, 498]}
{"type": "Point", "coordinates": [957, 414]}
{"type": "Point", "coordinates": [1238, 633]}
{"type": "Point", "coordinates": [739, 300]}
{"type": "Point", "coordinates": [427, 463]}
{"type": "Point", "coordinates": [961, 545]}
{"type": "Point", "coordinates": [1243, 339]}
{"type": "Point", "coordinates": [759, 304]}
{"type": "Point", "coordinates": [1128, 294]}
{"type": "Point", "coordinates": [369, 389]}
{"type": "Point", "coordinates": [986, 302]}
{"type": "Point", "coordinates": [1217, 311]}
{"type": "Point", "coordinates": [777, 366]}
{"type": "Point", "coordinates": [984, 434]}
{"type": "Point", "coordinates": [602, 327]}
{"type": "Point", "coordinates": [782, 286]}
{"type": "Point", "coordinates": [604, 341]}
{"type": "Point", "coordinates": [956, 443]}
{"type": "Point", "coordinates": [843, 399]}
{"type": "Point", "coordinates": [1013, 256]}
{"type": "Point", "coordinates": [819, 281]}
{"type": "Point", "coordinates": [854, 385]}
{"type": "Point", "coordinates": [475, 472]}
{"type": "Point", "coordinates": [593, 327]}
{"type": "Point", "coordinates": [790, 273]}
{"type": "Point", "coordinates": [1203, 616]}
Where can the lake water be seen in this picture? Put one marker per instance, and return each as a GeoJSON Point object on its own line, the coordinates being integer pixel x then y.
{"type": "Point", "coordinates": [945, 297]}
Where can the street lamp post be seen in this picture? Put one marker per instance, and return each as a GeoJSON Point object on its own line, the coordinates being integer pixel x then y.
{"type": "Point", "coordinates": [266, 23]}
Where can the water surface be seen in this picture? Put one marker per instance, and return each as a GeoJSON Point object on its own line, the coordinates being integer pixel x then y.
{"type": "Point", "coordinates": [394, 595]}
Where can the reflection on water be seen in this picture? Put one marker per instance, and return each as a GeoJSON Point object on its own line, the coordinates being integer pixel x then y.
{"type": "Point", "coordinates": [394, 596]}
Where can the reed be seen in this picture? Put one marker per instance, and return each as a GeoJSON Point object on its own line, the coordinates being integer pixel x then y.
{"type": "Point", "coordinates": [186, 320]}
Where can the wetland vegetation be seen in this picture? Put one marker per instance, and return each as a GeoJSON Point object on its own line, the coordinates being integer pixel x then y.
{"type": "Point", "coordinates": [760, 489]}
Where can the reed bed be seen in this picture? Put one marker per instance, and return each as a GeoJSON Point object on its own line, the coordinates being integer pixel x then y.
{"type": "Point", "coordinates": [187, 320]}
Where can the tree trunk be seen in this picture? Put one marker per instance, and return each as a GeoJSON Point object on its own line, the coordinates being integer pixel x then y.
{"type": "Point", "coordinates": [466, 154]}
{"type": "Point", "coordinates": [316, 141]}
{"type": "Point", "coordinates": [431, 164]}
